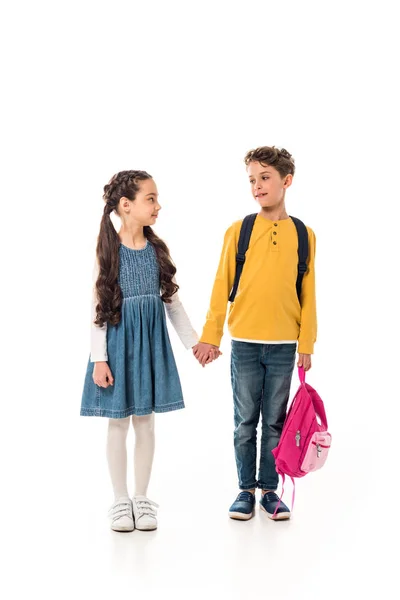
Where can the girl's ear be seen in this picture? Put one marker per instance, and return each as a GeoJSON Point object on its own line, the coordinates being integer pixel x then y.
{"type": "Point", "coordinates": [124, 203]}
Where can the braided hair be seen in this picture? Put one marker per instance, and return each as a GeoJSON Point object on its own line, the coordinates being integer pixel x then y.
{"type": "Point", "coordinates": [271, 156]}
{"type": "Point", "coordinates": [108, 310]}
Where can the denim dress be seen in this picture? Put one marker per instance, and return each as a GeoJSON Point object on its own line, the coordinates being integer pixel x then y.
{"type": "Point", "coordinates": [139, 349]}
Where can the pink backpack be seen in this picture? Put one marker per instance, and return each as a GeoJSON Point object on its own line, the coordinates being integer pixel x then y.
{"type": "Point", "coordinates": [305, 442]}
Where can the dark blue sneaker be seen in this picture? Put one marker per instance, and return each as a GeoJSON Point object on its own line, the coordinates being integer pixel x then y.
{"type": "Point", "coordinates": [269, 501]}
{"type": "Point", "coordinates": [243, 507]}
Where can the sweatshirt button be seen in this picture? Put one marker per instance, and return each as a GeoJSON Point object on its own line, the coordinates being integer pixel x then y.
{"type": "Point", "coordinates": [276, 224]}
{"type": "Point", "coordinates": [274, 232]}
{"type": "Point", "coordinates": [274, 243]}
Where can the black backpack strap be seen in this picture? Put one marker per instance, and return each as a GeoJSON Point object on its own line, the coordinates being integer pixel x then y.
{"type": "Point", "coordinates": [244, 239]}
{"type": "Point", "coordinates": [302, 251]}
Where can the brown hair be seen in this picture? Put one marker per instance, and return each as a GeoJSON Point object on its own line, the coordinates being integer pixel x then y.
{"type": "Point", "coordinates": [124, 184]}
{"type": "Point", "coordinates": [270, 156]}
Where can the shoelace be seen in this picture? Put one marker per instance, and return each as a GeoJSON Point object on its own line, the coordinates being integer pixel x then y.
{"type": "Point", "coordinates": [120, 509]}
{"type": "Point", "coordinates": [145, 506]}
{"type": "Point", "coordinates": [245, 497]}
{"type": "Point", "coordinates": [271, 497]}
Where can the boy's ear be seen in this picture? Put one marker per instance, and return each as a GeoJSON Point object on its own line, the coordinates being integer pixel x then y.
{"type": "Point", "coordinates": [288, 181]}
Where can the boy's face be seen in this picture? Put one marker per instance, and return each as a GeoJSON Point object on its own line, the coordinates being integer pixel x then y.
{"type": "Point", "coordinates": [267, 185]}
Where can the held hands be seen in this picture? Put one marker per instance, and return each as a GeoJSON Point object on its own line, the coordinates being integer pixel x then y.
{"type": "Point", "coordinates": [304, 361]}
{"type": "Point", "coordinates": [102, 375]}
{"type": "Point", "coordinates": [206, 353]}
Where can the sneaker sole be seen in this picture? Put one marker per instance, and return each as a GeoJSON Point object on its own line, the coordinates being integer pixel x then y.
{"type": "Point", "coordinates": [278, 517]}
{"type": "Point", "coordinates": [149, 527]}
{"type": "Point", "coordinates": [240, 516]}
{"type": "Point", "coordinates": [123, 529]}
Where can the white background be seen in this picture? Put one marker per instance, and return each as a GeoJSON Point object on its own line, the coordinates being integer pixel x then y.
{"type": "Point", "coordinates": [183, 90]}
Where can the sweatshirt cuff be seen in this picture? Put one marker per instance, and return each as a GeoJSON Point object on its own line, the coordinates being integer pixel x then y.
{"type": "Point", "coordinates": [211, 338]}
{"type": "Point", "coordinates": [305, 347]}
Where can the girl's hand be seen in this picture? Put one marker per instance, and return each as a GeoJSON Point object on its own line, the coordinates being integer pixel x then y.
{"type": "Point", "coordinates": [102, 375]}
{"type": "Point", "coordinates": [304, 361]}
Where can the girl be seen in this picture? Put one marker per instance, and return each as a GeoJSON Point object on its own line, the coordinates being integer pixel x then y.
{"type": "Point", "coordinates": [132, 370]}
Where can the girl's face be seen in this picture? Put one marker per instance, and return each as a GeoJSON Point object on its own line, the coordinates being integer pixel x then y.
{"type": "Point", "coordinates": [145, 208]}
{"type": "Point", "coordinates": [267, 185]}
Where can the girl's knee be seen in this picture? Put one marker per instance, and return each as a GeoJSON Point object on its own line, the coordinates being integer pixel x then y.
{"type": "Point", "coordinates": [144, 423]}
{"type": "Point", "coordinates": [121, 425]}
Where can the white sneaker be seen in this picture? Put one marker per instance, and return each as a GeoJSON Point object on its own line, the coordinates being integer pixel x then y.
{"type": "Point", "coordinates": [121, 515]}
{"type": "Point", "coordinates": [144, 513]}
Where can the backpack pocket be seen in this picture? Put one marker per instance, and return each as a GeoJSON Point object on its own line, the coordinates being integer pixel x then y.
{"type": "Point", "coordinates": [290, 450]}
{"type": "Point", "coordinates": [317, 451]}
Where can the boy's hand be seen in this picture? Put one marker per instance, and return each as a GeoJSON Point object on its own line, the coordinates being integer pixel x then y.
{"type": "Point", "coordinates": [206, 353]}
{"type": "Point", "coordinates": [102, 375]}
{"type": "Point", "coordinates": [304, 361]}
{"type": "Point", "coordinates": [212, 355]}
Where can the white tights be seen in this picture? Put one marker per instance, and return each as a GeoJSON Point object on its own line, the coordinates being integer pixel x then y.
{"type": "Point", "coordinates": [143, 456]}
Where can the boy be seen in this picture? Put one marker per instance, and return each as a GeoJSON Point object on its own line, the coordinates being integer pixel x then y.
{"type": "Point", "coordinates": [266, 321]}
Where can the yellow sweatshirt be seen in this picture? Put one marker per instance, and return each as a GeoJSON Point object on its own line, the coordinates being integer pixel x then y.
{"type": "Point", "coordinates": [266, 307]}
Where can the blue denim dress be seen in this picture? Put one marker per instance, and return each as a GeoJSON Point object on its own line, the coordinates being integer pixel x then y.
{"type": "Point", "coordinates": [139, 349]}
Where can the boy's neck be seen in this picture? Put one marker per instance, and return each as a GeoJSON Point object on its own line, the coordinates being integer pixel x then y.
{"type": "Point", "coordinates": [274, 214]}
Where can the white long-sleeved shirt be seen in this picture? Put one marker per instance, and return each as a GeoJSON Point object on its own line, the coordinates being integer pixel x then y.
{"type": "Point", "coordinates": [176, 314]}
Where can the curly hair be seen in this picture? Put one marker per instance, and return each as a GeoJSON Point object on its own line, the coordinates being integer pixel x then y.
{"type": "Point", "coordinates": [109, 296]}
{"type": "Point", "coordinates": [271, 156]}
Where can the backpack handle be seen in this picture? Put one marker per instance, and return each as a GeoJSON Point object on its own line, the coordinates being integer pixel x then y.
{"type": "Point", "coordinates": [302, 374]}
{"type": "Point", "coordinates": [315, 399]}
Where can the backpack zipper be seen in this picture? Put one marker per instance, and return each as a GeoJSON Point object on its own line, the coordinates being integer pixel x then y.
{"type": "Point", "coordinates": [297, 438]}
{"type": "Point", "coordinates": [319, 448]}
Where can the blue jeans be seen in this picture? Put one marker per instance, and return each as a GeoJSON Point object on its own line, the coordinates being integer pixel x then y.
{"type": "Point", "coordinates": [261, 375]}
